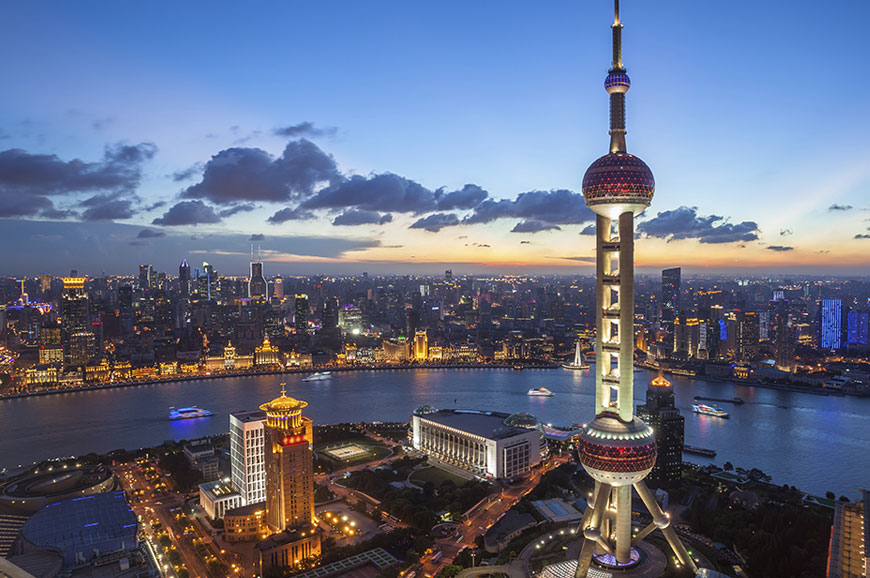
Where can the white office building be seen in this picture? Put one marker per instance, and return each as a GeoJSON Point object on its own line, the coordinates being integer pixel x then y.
{"type": "Point", "coordinates": [247, 460]}
{"type": "Point", "coordinates": [486, 443]}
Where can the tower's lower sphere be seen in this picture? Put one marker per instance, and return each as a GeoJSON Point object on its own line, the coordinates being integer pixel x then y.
{"type": "Point", "coordinates": [618, 180]}
{"type": "Point", "coordinates": [615, 452]}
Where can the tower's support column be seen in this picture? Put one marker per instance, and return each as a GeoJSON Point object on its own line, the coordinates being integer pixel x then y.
{"type": "Point", "coordinates": [592, 531]}
{"type": "Point", "coordinates": [662, 520]}
{"type": "Point", "coordinates": [602, 301]}
{"type": "Point", "coordinates": [626, 316]}
{"type": "Point", "coordinates": [623, 524]}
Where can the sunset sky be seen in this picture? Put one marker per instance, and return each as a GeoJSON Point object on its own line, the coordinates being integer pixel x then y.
{"type": "Point", "coordinates": [412, 137]}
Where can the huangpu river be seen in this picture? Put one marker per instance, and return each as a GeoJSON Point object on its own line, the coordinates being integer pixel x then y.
{"type": "Point", "coordinates": [817, 443]}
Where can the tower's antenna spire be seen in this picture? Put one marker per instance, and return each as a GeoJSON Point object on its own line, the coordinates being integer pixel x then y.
{"type": "Point", "coordinates": [617, 39]}
{"type": "Point", "coordinates": [617, 84]}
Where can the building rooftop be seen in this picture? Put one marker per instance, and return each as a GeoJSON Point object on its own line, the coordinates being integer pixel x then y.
{"type": "Point", "coordinates": [246, 510]}
{"type": "Point", "coordinates": [218, 489]}
{"type": "Point", "coordinates": [487, 424]}
{"type": "Point", "coordinates": [249, 415]}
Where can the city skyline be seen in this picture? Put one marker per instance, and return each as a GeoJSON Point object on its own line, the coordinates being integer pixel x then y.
{"type": "Point", "coordinates": [435, 163]}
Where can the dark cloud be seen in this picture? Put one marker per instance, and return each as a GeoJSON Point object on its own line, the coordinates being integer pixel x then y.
{"type": "Point", "coordinates": [525, 242]}
{"type": "Point", "coordinates": [106, 208]}
{"type": "Point", "coordinates": [465, 198]}
{"type": "Point", "coordinates": [252, 174]}
{"type": "Point", "coordinates": [353, 217]}
{"type": "Point", "coordinates": [533, 226]}
{"type": "Point", "coordinates": [150, 234]}
{"type": "Point", "coordinates": [153, 206]}
{"type": "Point", "coordinates": [291, 214]}
{"type": "Point", "coordinates": [588, 230]}
{"type": "Point", "coordinates": [27, 180]}
{"type": "Point", "coordinates": [257, 237]}
{"type": "Point", "coordinates": [581, 259]}
{"type": "Point", "coordinates": [836, 207]}
{"type": "Point", "coordinates": [860, 236]}
{"type": "Point", "coordinates": [779, 248]}
{"type": "Point", "coordinates": [188, 213]}
{"type": "Point", "coordinates": [685, 223]}
{"type": "Point", "coordinates": [384, 192]}
{"type": "Point", "coordinates": [435, 222]}
{"type": "Point", "coordinates": [240, 208]}
{"type": "Point", "coordinates": [102, 123]}
{"type": "Point", "coordinates": [785, 232]}
{"type": "Point", "coordinates": [188, 173]}
{"type": "Point", "coordinates": [304, 129]}
{"type": "Point", "coordinates": [559, 207]}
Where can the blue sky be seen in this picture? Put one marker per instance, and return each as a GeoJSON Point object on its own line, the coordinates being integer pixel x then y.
{"type": "Point", "coordinates": [753, 112]}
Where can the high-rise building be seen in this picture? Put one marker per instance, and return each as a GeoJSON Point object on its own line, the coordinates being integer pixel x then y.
{"type": "Point", "coordinates": [421, 346]}
{"type": "Point", "coordinates": [184, 279]}
{"type": "Point", "coordinates": [74, 305]}
{"type": "Point", "coordinates": [257, 286]}
{"type": "Point", "coordinates": [300, 318]}
{"type": "Point", "coordinates": [670, 296]}
{"type": "Point", "coordinates": [784, 337]}
{"type": "Point", "coordinates": [278, 290]}
{"type": "Point", "coordinates": [831, 324]}
{"type": "Point", "coordinates": [858, 328]}
{"type": "Point", "coordinates": [616, 448]}
{"type": "Point", "coordinates": [247, 456]}
{"type": "Point", "coordinates": [144, 277]}
{"type": "Point", "coordinates": [665, 420]}
{"type": "Point", "coordinates": [44, 284]}
{"type": "Point", "coordinates": [746, 343]}
{"type": "Point", "coordinates": [289, 461]}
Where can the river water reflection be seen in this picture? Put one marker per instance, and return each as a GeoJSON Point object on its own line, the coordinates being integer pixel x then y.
{"type": "Point", "coordinates": [814, 442]}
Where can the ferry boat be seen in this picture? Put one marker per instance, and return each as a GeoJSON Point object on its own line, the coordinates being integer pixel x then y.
{"type": "Point", "coordinates": [579, 360]}
{"type": "Point", "coordinates": [708, 410]}
{"type": "Point", "coordinates": [189, 412]}
{"type": "Point", "coordinates": [699, 451]}
{"type": "Point", "coordinates": [319, 376]}
{"type": "Point", "coordinates": [540, 392]}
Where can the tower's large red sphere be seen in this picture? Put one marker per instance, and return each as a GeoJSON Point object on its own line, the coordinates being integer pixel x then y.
{"type": "Point", "coordinates": [615, 452]}
{"type": "Point", "coordinates": [619, 179]}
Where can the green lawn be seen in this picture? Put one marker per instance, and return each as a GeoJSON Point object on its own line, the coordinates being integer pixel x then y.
{"type": "Point", "coordinates": [376, 451]}
{"type": "Point", "coordinates": [435, 475]}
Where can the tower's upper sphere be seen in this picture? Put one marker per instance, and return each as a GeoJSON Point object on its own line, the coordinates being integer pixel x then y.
{"type": "Point", "coordinates": [617, 82]}
{"type": "Point", "coordinates": [615, 452]}
{"type": "Point", "coordinates": [616, 183]}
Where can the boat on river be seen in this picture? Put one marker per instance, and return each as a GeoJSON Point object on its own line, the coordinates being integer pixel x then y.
{"type": "Point", "coordinates": [708, 453]}
{"type": "Point", "coordinates": [710, 410]}
{"type": "Point", "coordinates": [189, 413]}
{"type": "Point", "coordinates": [319, 376]}
{"type": "Point", "coordinates": [540, 392]}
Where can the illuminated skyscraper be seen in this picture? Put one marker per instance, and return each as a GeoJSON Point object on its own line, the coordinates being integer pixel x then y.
{"type": "Point", "coordinates": [257, 286]}
{"type": "Point", "coordinates": [289, 464]}
{"type": "Point", "coordinates": [831, 324]}
{"type": "Point", "coordinates": [670, 296]}
{"type": "Point", "coordinates": [144, 277]}
{"type": "Point", "coordinates": [665, 420]}
{"type": "Point", "coordinates": [184, 279]}
{"type": "Point", "coordinates": [421, 346]}
{"type": "Point", "coordinates": [617, 449]}
{"type": "Point", "coordinates": [301, 313]}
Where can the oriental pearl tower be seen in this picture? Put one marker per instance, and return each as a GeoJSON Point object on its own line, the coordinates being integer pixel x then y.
{"type": "Point", "coordinates": [616, 448]}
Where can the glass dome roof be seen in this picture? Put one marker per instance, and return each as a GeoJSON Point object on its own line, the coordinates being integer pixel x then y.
{"type": "Point", "coordinates": [425, 409]}
{"type": "Point", "coordinates": [523, 420]}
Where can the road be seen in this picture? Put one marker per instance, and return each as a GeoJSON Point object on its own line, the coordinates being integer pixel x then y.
{"type": "Point", "coordinates": [486, 516]}
{"type": "Point", "coordinates": [158, 508]}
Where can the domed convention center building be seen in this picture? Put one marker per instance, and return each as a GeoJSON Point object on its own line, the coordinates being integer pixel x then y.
{"type": "Point", "coordinates": [486, 444]}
